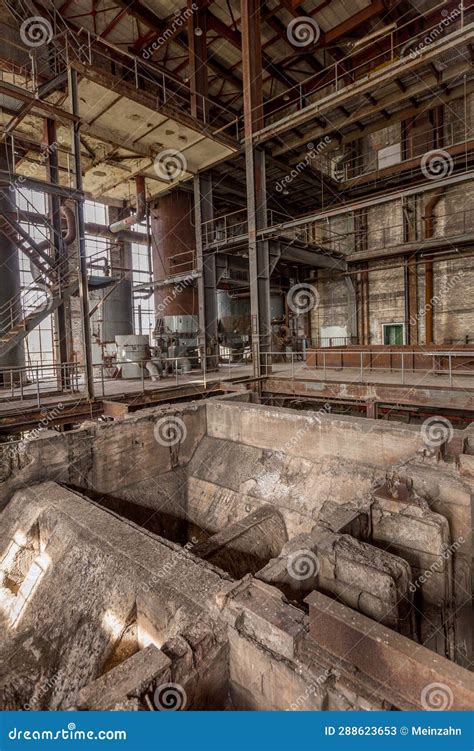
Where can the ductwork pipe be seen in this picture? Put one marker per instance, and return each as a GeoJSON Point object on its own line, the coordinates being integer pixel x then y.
{"type": "Point", "coordinates": [141, 209]}
{"type": "Point", "coordinates": [68, 215]}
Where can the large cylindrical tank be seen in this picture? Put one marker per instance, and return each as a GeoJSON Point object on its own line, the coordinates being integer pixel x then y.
{"type": "Point", "coordinates": [10, 285]}
{"type": "Point", "coordinates": [117, 312]}
{"type": "Point", "coordinates": [132, 354]}
{"type": "Point", "coordinates": [174, 246]}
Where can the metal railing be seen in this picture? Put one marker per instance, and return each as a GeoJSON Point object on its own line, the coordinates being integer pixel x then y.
{"type": "Point", "coordinates": [38, 383]}
{"type": "Point", "coordinates": [65, 46]}
{"type": "Point", "coordinates": [318, 233]}
{"type": "Point", "coordinates": [343, 73]}
{"type": "Point", "coordinates": [334, 341]}
{"type": "Point", "coordinates": [34, 167]}
{"type": "Point", "coordinates": [233, 227]}
{"type": "Point", "coordinates": [441, 137]}
{"type": "Point", "coordinates": [167, 89]}
{"type": "Point", "coordinates": [367, 361]}
{"type": "Point", "coordinates": [37, 296]}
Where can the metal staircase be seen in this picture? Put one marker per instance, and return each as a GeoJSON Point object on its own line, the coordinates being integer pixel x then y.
{"type": "Point", "coordinates": [55, 282]}
{"type": "Point", "coordinates": [26, 310]}
{"type": "Point", "coordinates": [23, 312]}
{"type": "Point", "coordinates": [13, 230]}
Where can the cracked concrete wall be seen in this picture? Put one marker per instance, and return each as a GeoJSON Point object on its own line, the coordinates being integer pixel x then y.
{"type": "Point", "coordinates": [312, 436]}
{"type": "Point", "coordinates": [99, 570]}
{"type": "Point", "coordinates": [104, 457]}
{"type": "Point", "coordinates": [228, 480]}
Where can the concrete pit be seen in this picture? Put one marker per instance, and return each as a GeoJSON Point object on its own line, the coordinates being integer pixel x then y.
{"type": "Point", "coordinates": [183, 546]}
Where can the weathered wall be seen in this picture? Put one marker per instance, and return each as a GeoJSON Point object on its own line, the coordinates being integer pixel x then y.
{"type": "Point", "coordinates": [107, 458]}
{"type": "Point", "coordinates": [315, 437]}
{"type": "Point", "coordinates": [453, 280]}
{"type": "Point", "coordinates": [100, 575]}
{"type": "Point", "coordinates": [228, 480]}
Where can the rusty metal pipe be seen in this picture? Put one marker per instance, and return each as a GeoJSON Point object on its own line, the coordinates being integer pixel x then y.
{"type": "Point", "coordinates": [139, 216]}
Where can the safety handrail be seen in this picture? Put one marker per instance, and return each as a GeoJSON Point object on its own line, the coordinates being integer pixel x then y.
{"type": "Point", "coordinates": [334, 73]}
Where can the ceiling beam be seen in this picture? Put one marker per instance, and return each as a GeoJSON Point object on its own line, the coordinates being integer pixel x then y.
{"type": "Point", "coordinates": [351, 23]}
{"type": "Point", "coordinates": [235, 38]}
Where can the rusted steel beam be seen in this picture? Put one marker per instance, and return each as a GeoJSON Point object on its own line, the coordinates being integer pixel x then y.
{"type": "Point", "coordinates": [259, 253]}
{"type": "Point", "coordinates": [402, 670]}
{"type": "Point", "coordinates": [390, 394]}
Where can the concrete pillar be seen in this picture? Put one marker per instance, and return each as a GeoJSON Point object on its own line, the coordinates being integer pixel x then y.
{"type": "Point", "coordinates": [10, 285]}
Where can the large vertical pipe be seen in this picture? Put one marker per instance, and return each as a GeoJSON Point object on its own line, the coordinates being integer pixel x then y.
{"type": "Point", "coordinates": [429, 293]}
{"type": "Point", "coordinates": [10, 280]}
{"type": "Point", "coordinates": [81, 235]}
{"type": "Point", "coordinates": [117, 311]}
{"type": "Point", "coordinates": [174, 245]}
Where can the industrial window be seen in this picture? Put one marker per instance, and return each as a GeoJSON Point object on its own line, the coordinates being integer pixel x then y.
{"type": "Point", "coordinates": [98, 256]}
{"type": "Point", "coordinates": [95, 213]}
{"type": "Point", "coordinates": [393, 334]}
{"type": "Point", "coordinates": [39, 347]}
{"type": "Point", "coordinates": [143, 307]}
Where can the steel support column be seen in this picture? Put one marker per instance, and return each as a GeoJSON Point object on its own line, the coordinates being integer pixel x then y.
{"type": "Point", "coordinates": [203, 206]}
{"type": "Point", "coordinates": [80, 233]}
{"type": "Point", "coordinates": [207, 277]}
{"type": "Point", "coordinates": [60, 316]}
{"type": "Point", "coordinates": [259, 256]}
{"type": "Point", "coordinates": [197, 42]}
